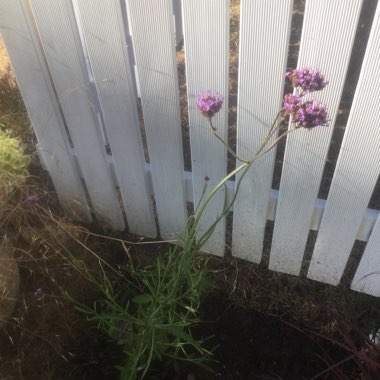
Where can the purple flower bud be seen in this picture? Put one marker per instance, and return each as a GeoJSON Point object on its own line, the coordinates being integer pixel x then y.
{"type": "Point", "coordinates": [32, 199]}
{"type": "Point", "coordinates": [207, 178]}
{"type": "Point", "coordinates": [209, 103]}
{"type": "Point", "coordinates": [291, 104]}
{"type": "Point", "coordinates": [311, 114]}
{"type": "Point", "coordinates": [38, 294]}
{"type": "Point", "coordinates": [308, 79]}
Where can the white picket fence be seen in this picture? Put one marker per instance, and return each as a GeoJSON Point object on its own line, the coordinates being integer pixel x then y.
{"type": "Point", "coordinates": [75, 60]}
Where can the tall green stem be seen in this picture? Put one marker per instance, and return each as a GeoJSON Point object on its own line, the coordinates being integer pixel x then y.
{"type": "Point", "coordinates": [243, 167]}
{"type": "Point", "coordinates": [223, 142]}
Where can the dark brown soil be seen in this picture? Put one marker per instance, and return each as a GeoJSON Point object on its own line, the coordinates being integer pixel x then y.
{"type": "Point", "coordinates": [257, 346]}
{"type": "Point", "coordinates": [250, 346]}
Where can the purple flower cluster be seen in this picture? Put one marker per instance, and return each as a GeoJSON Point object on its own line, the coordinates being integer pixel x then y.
{"type": "Point", "coordinates": [307, 114]}
{"type": "Point", "coordinates": [209, 103]}
{"type": "Point", "coordinates": [307, 79]}
{"type": "Point", "coordinates": [291, 104]}
{"type": "Point", "coordinates": [311, 114]}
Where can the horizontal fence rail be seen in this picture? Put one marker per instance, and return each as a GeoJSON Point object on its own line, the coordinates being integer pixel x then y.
{"type": "Point", "coordinates": [100, 83]}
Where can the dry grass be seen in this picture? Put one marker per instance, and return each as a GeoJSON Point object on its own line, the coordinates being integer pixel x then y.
{"type": "Point", "coordinates": [4, 61]}
{"type": "Point", "coordinates": [13, 115]}
{"type": "Point", "coordinates": [47, 338]}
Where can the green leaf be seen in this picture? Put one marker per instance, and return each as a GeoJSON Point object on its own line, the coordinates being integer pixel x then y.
{"type": "Point", "coordinates": [142, 299]}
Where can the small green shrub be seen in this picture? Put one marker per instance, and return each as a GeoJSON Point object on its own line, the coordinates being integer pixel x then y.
{"type": "Point", "coordinates": [151, 315]}
{"type": "Point", "coordinates": [13, 163]}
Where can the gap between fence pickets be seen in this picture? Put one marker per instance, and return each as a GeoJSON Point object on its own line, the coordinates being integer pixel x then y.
{"type": "Point", "coordinates": [363, 234]}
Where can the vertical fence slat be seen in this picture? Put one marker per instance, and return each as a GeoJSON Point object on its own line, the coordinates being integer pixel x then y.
{"type": "Point", "coordinates": [60, 39]}
{"type": "Point", "coordinates": [356, 173]}
{"type": "Point", "coordinates": [264, 38]}
{"type": "Point", "coordinates": [206, 39]}
{"type": "Point", "coordinates": [154, 46]}
{"type": "Point", "coordinates": [327, 38]}
{"type": "Point", "coordinates": [33, 81]}
{"type": "Point", "coordinates": [367, 276]}
{"type": "Point", "coordinates": [104, 34]}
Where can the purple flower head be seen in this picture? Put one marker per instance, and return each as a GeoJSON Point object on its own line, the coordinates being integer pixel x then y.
{"type": "Point", "coordinates": [38, 294]}
{"type": "Point", "coordinates": [291, 104]}
{"type": "Point", "coordinates": [308, 79]}
{"type": "Point", "coordinates": [32, 199]}
{"type": "Point", "coordinates": [311, 114]}
{"type": "Point", "coordinates": [209, 103]}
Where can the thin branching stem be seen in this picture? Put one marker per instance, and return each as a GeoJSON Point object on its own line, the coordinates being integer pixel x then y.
{"type": "Point", "coordinates": [223, 142]}
{"type": "Point", "coordinates": [242, 168]}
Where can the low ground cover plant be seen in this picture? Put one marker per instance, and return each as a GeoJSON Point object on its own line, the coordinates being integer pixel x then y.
{"type": "Point", "coordinates": [150, 311]}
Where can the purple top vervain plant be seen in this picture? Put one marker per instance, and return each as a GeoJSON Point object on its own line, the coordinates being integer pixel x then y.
{"type": "Point", "coordinates": [209, 103]}
{"type": "Point", "coordinates": [291, 104]}
{"type": "Point", "coordinates": [308, 79]}
{"type": "Point", "coordinates": [302, 113]}
{"type": "Point", "coordinates": [307, 114]}
{"type": "Point", "coordinates": [310, 114]}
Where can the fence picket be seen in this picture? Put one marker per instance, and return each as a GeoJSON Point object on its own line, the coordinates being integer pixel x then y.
{"type": "Point", "coordinates": [206, 39]}
{"type": "Point", "coordinates": [356, 173]}
{"type": "Point", "coordinates": [261, 81]}
{"type": "Point", "coordinates": [60, 40]}
{"type": "Point", "coordinates": [39, 98]}
{"type": "Point", "coordinates": [104, 34]}
{"type": "Point", "coordinates": [154, 46]}
{"type": "Point", "coordinates": [327, 38]}
{"type": "Point", "coordinates": [367, 276]}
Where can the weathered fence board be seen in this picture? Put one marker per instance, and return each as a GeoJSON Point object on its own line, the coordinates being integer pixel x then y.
{"type": "Point", "coordinates": [104, 34]}
{"type": "Point", "coordinates": [206, 39]}
{"type": "Point", "coordinates": [356, 172]}
{"type": "Point", "coordinates": [327, 38]}
{"type": "Point", "coordinates": [367, 276]}
{"type": "Point", "coordinates": [33, 80]}
{"type": "Point", "coordinates": [154, 46]}
{"type": "Point", "coordinates": [60, 39]}
{"type": "Point", "coordinates": [261, 83]}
